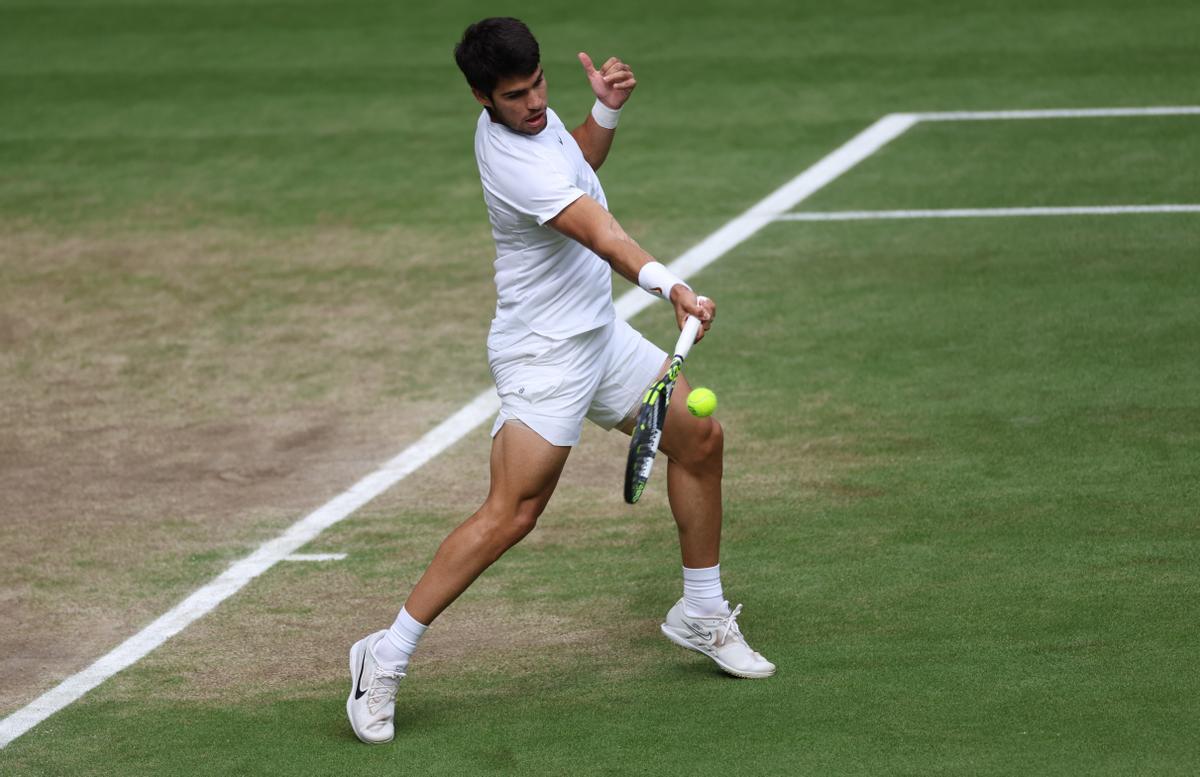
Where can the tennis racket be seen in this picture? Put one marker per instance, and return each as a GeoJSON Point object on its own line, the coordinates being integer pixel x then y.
{"type": "Point", "coordinates": [652, 415]}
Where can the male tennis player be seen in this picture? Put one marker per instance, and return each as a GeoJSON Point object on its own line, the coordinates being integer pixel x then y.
{"type": "Point", "coordinates": [559, 355]}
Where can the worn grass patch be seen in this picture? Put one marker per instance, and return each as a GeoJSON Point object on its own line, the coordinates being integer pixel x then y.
{"type": "Point", "coordinates": [173, 399]}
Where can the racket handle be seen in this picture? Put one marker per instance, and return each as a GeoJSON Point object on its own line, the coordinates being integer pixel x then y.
{"type": "Point", "coordinates": [687, 337]}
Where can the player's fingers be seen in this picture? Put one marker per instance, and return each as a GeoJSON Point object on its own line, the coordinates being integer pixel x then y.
{"type": "Point", "coordinates": [609, 64]}
{"type": "Point", "coordinates": [617, 73]}
{"type": "Point", "coordinates": [586, 61]}
{"type": "Point", "coordinates": [626, 84]}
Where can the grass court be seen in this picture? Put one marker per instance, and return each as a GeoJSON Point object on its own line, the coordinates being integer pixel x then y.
{"type": "Point", "coordinates": [244, 260]}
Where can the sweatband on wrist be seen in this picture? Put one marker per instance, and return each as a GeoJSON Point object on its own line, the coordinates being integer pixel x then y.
{"type": "Point", "coordinates": [606, 117]}
{"type": "Point", "coordinates": [657, 279]}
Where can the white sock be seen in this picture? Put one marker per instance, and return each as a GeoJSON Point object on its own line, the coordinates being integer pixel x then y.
{"type": "Point", "coordinates": [702, 594]}
{"type": "Point", "coordinates": [397, 646]}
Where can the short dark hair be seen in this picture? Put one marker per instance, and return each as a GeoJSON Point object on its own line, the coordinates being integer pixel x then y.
{"type": "Point", "coordinates": [496, 48]}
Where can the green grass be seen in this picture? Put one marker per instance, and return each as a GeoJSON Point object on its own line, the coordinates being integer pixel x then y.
{"type": "Point", "coordinates": [1008, 589]}
{"type": "Point", "coordinates": [961, 454]}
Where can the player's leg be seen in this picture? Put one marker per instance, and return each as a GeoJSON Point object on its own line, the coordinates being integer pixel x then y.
{"type": "Point", "coordinates": [694, 448]}
{"type": "Point", "coordinates": [701, 620]}
{"type": "Point", "coordinates": [524, 471]}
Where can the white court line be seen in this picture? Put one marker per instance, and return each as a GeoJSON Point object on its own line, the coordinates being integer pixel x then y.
{"type": "Point", "coordinates": [445, 434]}
{"type": "Point", "coordinates": [1064, 113]}
{"type": "Point", "coordinates": [315, 557]}
{"type": "Point", "coordinates": [966, 213]}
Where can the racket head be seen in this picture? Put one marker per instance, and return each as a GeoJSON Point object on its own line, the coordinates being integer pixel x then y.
{"type": "Point", "coordinates": [647, 432]}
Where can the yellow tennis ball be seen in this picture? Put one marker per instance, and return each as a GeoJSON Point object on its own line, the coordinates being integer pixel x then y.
{"type": "Point", "coordinates": [702, 402]}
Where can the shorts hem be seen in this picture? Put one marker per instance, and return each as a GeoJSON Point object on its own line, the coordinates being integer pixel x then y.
{"type": "Point", "coordinates": [539, 426]}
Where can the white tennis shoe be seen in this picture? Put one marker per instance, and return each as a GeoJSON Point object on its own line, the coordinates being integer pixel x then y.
{"type": "Point", "coordinates": [371, 705]}
{"type": "Point", "coordinates": [719, 638]}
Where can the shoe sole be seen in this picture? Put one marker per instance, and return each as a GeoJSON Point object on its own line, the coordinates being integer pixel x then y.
{"type": "Point", "coordinates": [355, 657]}
{"type": "Point", "coordinates": [684, 643]}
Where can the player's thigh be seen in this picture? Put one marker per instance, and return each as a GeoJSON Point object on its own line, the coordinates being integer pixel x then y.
{"type": "Point", "coordinates": [687, 437]}
{"type": "Point", "coordinates": [632, 365]}
{"type": "Point", "coordinates": [524, 466]}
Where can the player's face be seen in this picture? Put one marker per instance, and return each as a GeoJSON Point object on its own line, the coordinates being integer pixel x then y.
{"type": "Point", "coordinates": [519, 102]}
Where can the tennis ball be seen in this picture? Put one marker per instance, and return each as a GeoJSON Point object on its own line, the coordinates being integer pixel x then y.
{"type": "Point", "coordinates": [702, 402]}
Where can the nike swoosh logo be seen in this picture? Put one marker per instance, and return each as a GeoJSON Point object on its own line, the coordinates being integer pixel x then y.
{"type": "Point", "coordinates": [358, 689]}
{"type": "Point", "coordinates": [701, 634]}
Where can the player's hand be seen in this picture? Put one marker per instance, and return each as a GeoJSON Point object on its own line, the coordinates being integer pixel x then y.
{"type": "Point", "coordinates": [688, 304]}
{"type": "Point", "coordinates": [612, 83]}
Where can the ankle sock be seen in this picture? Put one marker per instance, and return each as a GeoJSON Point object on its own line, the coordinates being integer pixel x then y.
{"type": "Point", "coordinates": [702, 593]}
{"type": "Point", "coordinates": [398, 644]}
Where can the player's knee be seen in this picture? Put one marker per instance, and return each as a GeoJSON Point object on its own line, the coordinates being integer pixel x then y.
{"type": "Point", "coordinates": [713, 443]}
{"type": "Point", "coordinates": [706, 447]}
{"type": "Point", "coordinates": [506, 525]}
{"type": "Point", "coordinates": [525, 518]}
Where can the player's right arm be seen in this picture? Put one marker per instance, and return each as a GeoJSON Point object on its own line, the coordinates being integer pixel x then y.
{"type": "Point", "coordinates": [588, 222]}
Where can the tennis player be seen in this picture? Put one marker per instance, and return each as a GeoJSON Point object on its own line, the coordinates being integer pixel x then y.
{"type": "Point", "coordinates": [559, 354]}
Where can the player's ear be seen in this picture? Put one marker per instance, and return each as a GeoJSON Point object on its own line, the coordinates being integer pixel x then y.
{"type": "Point", "coordinates": [482, 98]}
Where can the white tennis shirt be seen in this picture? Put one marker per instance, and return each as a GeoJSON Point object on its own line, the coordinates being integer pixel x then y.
{"type": "Point", "coordinates": [545, 282]}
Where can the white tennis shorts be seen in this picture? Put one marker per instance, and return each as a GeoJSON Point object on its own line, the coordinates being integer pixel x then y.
{"type": "Point", "coordinates": [552, 385]}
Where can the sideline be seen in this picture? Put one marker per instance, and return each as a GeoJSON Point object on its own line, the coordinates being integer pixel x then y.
{"type": "Point", "coordinates": [482, 408]}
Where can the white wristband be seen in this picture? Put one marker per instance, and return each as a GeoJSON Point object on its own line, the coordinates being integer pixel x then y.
{"type": "Point", "coordinates": [655, 278]}
{"type": "Point", "coordinates": [606, 117]}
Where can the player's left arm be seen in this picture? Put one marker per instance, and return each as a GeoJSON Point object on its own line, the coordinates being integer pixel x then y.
{"type": "Point", "coordinates": [612, 84]}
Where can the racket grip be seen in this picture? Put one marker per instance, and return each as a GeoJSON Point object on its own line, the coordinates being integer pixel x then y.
{"type": "Point", "coordinates": [687, 336]}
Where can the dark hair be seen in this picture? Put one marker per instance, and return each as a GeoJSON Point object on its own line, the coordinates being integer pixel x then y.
{"type": "Point", "coordinates": [496, 48]}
